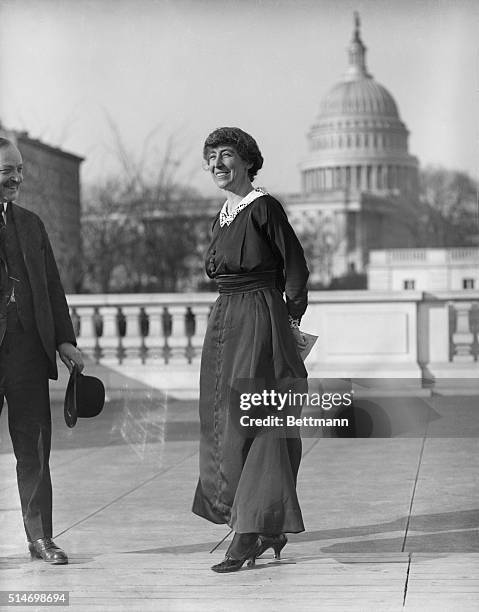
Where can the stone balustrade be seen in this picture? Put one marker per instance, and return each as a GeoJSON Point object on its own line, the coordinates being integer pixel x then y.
{"type": "Point", "coordinates": [394, 334]}
{"type": "Point", "coordinates": [141, 327]}
{"type": "Point", "coordinates": [432, 256]}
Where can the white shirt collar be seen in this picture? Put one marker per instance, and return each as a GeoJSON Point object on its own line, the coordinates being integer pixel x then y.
{"type": "Point", "coordinates": [227, 218]}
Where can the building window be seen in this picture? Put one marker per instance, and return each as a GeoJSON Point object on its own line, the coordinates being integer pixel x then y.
{"type": "Point", "coordinates": [409, 284]}
{"type": "Point", "coordinates": [468, 283]}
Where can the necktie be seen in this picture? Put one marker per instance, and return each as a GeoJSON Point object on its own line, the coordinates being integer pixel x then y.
{"type": "Point", "coordinates": [6, 211]}
{"type": "Point", "coordinates": [3, 229]}
{"type": "Point", "coordinates": [3, 259]}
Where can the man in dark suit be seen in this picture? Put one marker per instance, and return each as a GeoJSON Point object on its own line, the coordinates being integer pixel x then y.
{"type": "Point", "coordinates": [34, 324]}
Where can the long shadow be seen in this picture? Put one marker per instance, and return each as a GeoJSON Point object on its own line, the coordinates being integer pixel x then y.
{"type": "Point", "coordinates": [458, 541]}
{"type": "Point", "coordinates": [446, 532]}
{"type": "Point", "coordinates": [440, 521]}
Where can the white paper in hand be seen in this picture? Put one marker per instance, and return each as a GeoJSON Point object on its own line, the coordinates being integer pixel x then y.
{"type": "Point", "coordinates": [310, 342]}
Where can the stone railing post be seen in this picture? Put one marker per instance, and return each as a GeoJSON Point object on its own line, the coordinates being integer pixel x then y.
{"type": "Point", "coordinates": [178, 341]}
{"type": "Point", "coordinates": [109, 340]}
{"type": "Point", "coordinates": [154, 341]}
{"type": "Point", "coordinates": [87, 339]}
{"type": "Point", "coordinates": [132, 341]}
{"type": "Point", "coordinates": [433, 339]}
{"type": "Point", "coordinates": [463, 337]}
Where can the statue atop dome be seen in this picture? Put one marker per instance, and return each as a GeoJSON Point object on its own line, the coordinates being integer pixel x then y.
{"type": "Point", "coordinates": [357, 24]}
{"type": "Point", "coordinates": [357, 55]}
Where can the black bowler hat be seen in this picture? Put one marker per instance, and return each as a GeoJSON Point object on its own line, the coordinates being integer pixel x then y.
{"type": "Point", "coordinates": [84, 397]}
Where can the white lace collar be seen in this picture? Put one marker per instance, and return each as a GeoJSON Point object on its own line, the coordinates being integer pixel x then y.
{"type": "Point", "coordinates": [227, 218]}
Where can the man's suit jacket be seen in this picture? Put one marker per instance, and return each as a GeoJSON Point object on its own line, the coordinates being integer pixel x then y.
{"type": "Point", "coordinates": [52, 316]}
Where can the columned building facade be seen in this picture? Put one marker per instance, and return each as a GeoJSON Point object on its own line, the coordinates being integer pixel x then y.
{"type": "Point", "coordinates": [358, 168]}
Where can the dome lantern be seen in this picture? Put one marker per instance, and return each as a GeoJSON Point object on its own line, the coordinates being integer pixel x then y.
{"type": "Point", "coordinates": [357, 55]}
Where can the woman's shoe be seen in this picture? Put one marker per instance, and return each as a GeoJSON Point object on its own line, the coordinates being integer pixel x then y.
{"type": "Point", "coordinates": [277, 543]}
{"type": "Point", "coordinates": [241, 549]}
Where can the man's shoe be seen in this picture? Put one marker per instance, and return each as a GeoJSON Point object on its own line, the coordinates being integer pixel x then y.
{"type": "Point", "coordinates": [46, 549]}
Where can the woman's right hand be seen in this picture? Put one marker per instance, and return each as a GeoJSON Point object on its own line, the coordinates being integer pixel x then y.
{"type": "Point", "coordinates": [299, 338]}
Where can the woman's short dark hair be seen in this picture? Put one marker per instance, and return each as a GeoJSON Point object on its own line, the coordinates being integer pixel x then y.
{"type": "Point", "coordinates": [244, 144]}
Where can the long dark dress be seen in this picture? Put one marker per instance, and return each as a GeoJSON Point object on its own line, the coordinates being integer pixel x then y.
{"type": "Point", "coordinates": [248, 476]}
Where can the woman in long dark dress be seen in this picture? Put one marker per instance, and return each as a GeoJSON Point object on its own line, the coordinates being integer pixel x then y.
{"type": "Point", "coordinates": [248, 474]}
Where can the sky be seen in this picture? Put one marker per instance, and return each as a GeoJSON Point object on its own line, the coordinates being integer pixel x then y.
{"type": "Point", "coordinates": [177, 69]}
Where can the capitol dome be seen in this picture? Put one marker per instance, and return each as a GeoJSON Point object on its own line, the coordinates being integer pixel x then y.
{"type": "Point", "coordinates": [359, 97]}
{"type": "Point", "coordinates": [358, 142]}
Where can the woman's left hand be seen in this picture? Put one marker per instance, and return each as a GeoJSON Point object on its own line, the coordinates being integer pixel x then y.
{"type": "Point", "coordinates": [299, 338]}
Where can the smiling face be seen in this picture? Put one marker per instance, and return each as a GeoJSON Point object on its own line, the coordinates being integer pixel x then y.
{"type": "Point", "coordinates": [11, 172]}
{"type": "Point", "coordinates": [228, 169]}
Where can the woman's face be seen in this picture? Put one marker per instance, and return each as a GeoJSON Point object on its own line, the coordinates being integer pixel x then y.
{"type": "Point", "coordinates": [228, 169]}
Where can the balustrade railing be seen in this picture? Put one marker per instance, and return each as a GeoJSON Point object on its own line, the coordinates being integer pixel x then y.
{"type": "Point", "coordinates": [140, 328]}
{"type": "Point", "coordinates": [169, 328]}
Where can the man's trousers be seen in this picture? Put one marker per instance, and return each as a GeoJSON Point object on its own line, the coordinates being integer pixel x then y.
{"type": "Point", "coordinates": [24, 384]}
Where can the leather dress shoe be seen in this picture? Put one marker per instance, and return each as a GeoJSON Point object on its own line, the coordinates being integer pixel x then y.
{"type": "Point", "coordinates": [276, 542]}
{"type": "Point", "coordinates": [243, 548]}
{"type": "Point", "coordinates": [46, 549]}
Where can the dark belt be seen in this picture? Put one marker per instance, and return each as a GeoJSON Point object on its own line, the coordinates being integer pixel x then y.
{"type": "Point", "coordinates": [243, 283]}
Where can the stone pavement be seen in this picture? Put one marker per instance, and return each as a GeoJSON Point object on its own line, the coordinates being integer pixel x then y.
{"type": "Point", "coordinates": [392, 524]}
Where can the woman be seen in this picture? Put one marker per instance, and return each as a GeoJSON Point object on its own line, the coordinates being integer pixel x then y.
{"type": "Point", "coordinates": [248, 473]}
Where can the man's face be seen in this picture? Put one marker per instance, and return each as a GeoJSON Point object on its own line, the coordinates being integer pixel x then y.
{"type": "Point", "coordinates": [11, 172]}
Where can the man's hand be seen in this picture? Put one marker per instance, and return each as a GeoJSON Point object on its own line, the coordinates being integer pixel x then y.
{"type": "Point", "coordinates": [300, 340]}
{"type": "Point", "coordinates": [70, 356]}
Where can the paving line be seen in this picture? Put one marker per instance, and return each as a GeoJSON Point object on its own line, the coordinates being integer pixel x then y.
{"type": "Point", "coordinates": [406, 583]}
{"type": "Point", "coordinates": [310, 449]}
{"type": "Point", "coordinates": [421, 453]}
{"type": "Point", "coordinates": [123, 495]}
{"type": "Point", "coordinates": [413, 492]}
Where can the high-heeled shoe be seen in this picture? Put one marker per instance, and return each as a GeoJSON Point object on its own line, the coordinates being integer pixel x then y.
{"type": "Point", "coordinates": [276, 542]}
{"type": "Point", "coordinates": [234, 560]}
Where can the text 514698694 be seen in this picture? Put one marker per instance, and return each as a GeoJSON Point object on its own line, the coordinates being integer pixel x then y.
{"type": "Point", "coordinates": [34, 598]}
